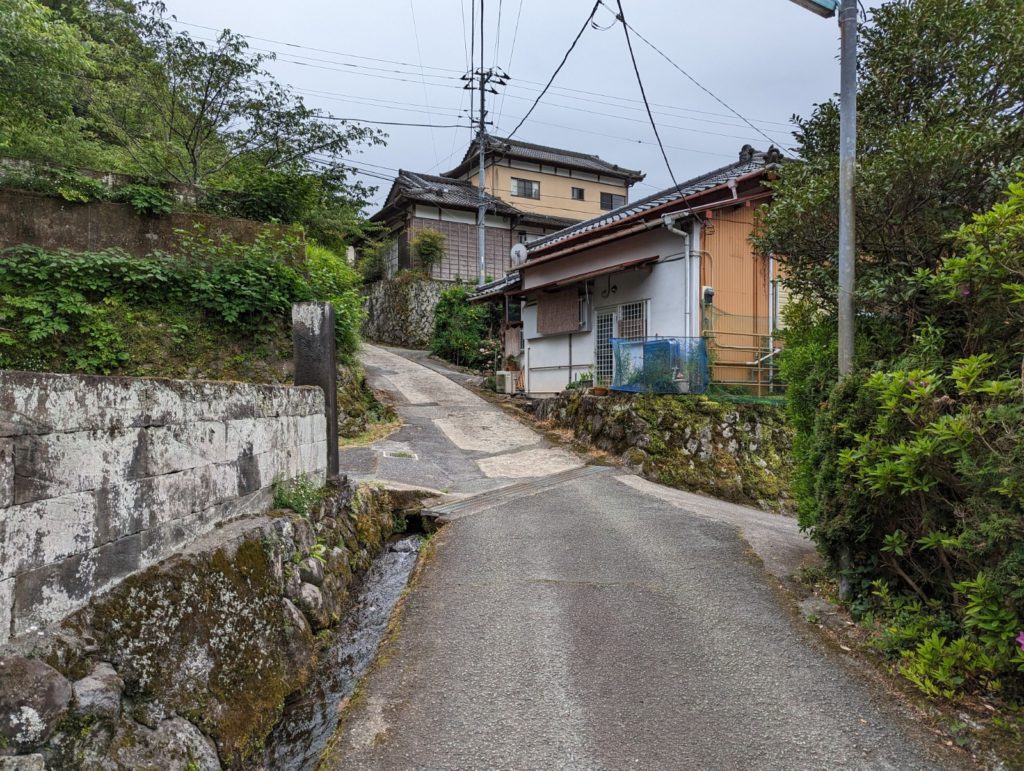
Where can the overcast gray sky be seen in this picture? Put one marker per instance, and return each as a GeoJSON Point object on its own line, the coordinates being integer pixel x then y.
{"type": "Point", "coordinates": [400, 60]}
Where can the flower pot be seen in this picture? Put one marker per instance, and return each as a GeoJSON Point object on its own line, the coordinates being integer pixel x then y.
{"type": "Point", "coordinates": [599, 391]}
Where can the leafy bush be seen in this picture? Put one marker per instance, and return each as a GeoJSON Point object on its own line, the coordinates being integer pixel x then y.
{"type": "Point", "coordinates": [464, 334]}
{"type": "Point", "coordinates": [916, 470]}
{"type": "Point", "coordinates": [146, 199]}
{"type": "Point", "coordinates": [372, 258]}
{"type": "Point", "coordinates": [332, 279]}
{"type": "Point", "coordinates": [245, 284]}
{"type": "Point", "coordinates": [429, 248]}
{"type": "Point", "coordinates": [62, 310]}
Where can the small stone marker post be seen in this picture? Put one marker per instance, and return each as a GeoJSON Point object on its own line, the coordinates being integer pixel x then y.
{"type": "Point", "coordinates": [316, 363]}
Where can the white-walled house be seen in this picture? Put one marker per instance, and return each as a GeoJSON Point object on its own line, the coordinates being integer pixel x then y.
{"type": "Point", "coordinates": [677, 264]}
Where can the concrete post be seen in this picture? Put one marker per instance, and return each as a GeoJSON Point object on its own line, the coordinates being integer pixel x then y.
{"type": "Point", "coordinates": [316, 363]}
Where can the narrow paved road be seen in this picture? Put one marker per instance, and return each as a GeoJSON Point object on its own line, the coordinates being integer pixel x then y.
{"type": "Point", "coordinates": [601, 621]}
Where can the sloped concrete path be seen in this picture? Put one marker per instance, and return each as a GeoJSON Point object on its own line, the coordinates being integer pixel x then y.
{"type": "Point", "coordinates": [605, 622]}
{"type": "Point", "coordinates": [453, 441]}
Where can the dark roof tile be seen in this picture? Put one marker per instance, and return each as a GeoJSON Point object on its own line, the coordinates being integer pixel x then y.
{"type": "Point", "coordinates": [750, 161]}
{"type": "Point", "coordinates": [552, 156]}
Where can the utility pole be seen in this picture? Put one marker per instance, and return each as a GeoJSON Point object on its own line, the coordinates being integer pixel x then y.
{"type": "Point", "coordinates": [481, 78]}
{"type": "Point", "coordinates": [847, 166]}
{"type": "Point", "coordinates": [847, 173]}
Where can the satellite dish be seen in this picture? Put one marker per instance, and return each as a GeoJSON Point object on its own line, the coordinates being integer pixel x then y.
{"type": "Point", "coordinates": [518, 254]}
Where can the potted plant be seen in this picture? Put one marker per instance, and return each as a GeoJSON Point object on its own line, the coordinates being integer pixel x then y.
{"type": "Point", "coordinates": [585, 379]}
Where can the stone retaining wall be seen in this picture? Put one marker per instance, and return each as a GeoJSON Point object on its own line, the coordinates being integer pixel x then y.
{"type": "Point", "coordinates": [736, 452]}
{"type": "Point", "coordinates": [400, 311]}
{"type": "Point", "coordinates": [101, 477]}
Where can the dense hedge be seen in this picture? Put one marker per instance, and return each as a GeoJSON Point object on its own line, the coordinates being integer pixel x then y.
{"type": "Point", "coordinates": [912, 473]}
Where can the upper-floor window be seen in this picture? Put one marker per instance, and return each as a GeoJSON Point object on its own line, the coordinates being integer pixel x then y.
{"type": "Point", "coordinates": [525, 188]}
{"type": "Point", "coordinates": [577, 194]}
{"type": "Point", "coordinates": [612, 200]}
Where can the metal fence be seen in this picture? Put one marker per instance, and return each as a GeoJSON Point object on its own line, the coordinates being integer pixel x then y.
{"type": "Point", "coordinates": [660, 365]}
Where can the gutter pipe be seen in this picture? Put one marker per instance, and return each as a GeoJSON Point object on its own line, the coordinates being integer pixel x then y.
{"type": "Point", "coordinates": [669, 221]}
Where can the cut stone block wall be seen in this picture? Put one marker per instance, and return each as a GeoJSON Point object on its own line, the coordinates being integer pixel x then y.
{"type": "Point", "coordinates": [103, 476]}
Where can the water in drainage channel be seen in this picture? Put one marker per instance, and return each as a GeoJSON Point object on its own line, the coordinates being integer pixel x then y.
{"type": "Point", "coordinates": [308, 722]}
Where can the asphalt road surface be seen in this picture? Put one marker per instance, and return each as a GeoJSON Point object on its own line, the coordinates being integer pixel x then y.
{"type": "Point", "coordinates": [597, 620]}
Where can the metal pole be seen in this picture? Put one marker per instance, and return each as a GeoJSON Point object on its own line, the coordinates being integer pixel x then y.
{"type": "Point", "coordinates": [847, 173]}
{"type": "Point", "coordinates": [481, 136]}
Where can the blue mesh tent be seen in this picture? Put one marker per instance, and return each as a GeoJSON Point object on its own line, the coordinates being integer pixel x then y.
{"type": "Point", "coordinates": [660, 365]}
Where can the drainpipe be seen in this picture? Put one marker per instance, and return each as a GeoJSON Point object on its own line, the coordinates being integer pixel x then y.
{"type": "Point", "coordinates": [668, 220]}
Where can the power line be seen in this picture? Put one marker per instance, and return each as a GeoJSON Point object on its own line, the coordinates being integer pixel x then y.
{"type": "Point", "coordinates": [497, 34]}
{"type": "Point", "coordinates": [419, 55]}
{"type": "Point", "coordinates": [391, 123]}
{"type": "Point", "coordinates": [511, 53]}
{"type": "Point", "coordinates": [421, 67]}
{"type": "Point", "coordinates": [643, 92]}
{"type": "Point", "coordinates": [390, 104]}
{"type": "Point", "coordinates": [692, 79]}
{"type": "Point", "coordinates": [557, 69]}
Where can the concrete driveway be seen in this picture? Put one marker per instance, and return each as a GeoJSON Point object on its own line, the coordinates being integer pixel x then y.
{"type": "Point", "coordinates": [585, 618]}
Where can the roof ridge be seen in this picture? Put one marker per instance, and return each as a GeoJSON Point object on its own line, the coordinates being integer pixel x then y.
{"type": "Point", "coordinates": [750, 160]}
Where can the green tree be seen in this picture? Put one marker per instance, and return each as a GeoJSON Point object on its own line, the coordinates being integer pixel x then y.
{"type": "Point", "coordinates": [39, 54]}
{"type": "Point", "coordinates": [940, 135]}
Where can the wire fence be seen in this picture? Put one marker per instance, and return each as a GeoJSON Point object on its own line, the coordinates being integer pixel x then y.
{"type": "Point", "coordinates": [660, 365]}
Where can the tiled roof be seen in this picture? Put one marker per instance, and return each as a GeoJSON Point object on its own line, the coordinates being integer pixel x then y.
{"type": "Point", "coordinates": [546, 220]}
{"type": "Point", "coordinates": [497, 287]}
{"type": "Point", "coordinates": [750, 161]}
{"type": "Point", "coordinates": [440, 191]}
{"type": "Point", "coordinates": [551, 156]}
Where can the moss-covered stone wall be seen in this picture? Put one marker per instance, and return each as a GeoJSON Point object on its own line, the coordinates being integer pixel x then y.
{"type": "Point", "coordinates": [737, 452]}
{"type": "Point", "coordinates": [188, 664]}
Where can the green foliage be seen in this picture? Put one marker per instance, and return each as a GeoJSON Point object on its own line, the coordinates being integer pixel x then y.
{"type": "Point", "coordinates": [429, 248]}
{"type": "Point", "coordinates": [910, 468]}
{"type": "Point", "coordinates": [244, 285]}
{"type": "Point", "coordinates": [332, 279]}
{"type": "Point", "coordinates": [917, 469]}
{"type": "Point", "coordinates": [37, 53]}
{"type": "Point", "coordinates": [371, 259]}
{"type": "Point", "coordinates": [943, 656]}
{"type": "Point", "coordinates": [109, 84]}
{"type": "Point", "coordinates": [464, 333]}
{"type": "Point", "coordinates": [940, 135]}
{"type": "Point", "coordinates": [66, 311]}
{"type": "Point", "coordinates": [300, 494]}
{"type": "Point", "coordinates": [146, 199]}
{"type": "Point", "coordinates": [71, 185]}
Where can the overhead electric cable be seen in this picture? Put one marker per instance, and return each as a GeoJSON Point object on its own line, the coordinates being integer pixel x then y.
{"type": "Point", "coordinates": [455, 77]}
{"type": "Point", "coordinates": [557, 70]}
{"type": "Point", "coordinates": [690, 77]}
{"type": "Point", "coordinates": [497, 34]}
{"type": "Point", "coordinates": [511, 53]}
{"type": "Point", "coordinates": [391, 123]}
{"type": "Point", "coordinates": [643, 92]}
{"type": "Point", "coordinates": [423, 81]}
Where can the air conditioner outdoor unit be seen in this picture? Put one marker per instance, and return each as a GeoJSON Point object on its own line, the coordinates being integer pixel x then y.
{"type": "Point", "coordinates": [505, 382]}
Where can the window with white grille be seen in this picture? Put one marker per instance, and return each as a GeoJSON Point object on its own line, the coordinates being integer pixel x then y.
{"type": "Point", "coordinates": [632, 321]}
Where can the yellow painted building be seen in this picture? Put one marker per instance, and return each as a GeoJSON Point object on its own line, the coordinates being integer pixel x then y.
{"type": "Point", "coordinates": [548, 181]}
